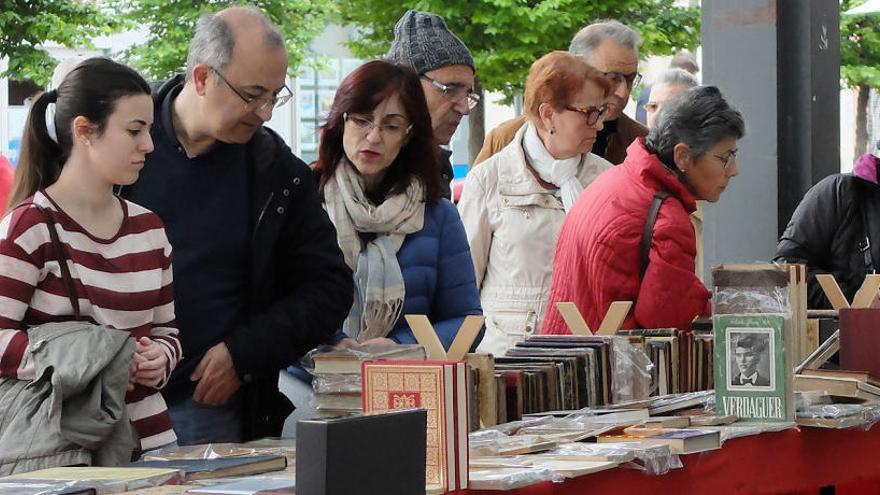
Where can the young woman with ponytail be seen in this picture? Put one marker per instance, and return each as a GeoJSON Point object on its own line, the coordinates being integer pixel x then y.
{"type": "Point", "coordinates": [70, 249]}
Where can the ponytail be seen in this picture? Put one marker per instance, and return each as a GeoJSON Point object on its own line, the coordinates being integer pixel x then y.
{"type": "Point", "coordinates": [41, 157]}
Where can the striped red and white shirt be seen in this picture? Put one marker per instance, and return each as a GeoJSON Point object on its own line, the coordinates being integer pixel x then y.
{"type": "Point", "coordinates": [124, 283]}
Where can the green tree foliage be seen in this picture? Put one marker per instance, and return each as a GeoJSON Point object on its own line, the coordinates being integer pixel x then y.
{"type": "Point", "coordinates": [171, 23]}
{"type": "Point", "coordinates": [860, 63]}
{"type": "Point", "coordinates": [507, 36]}
{"type": "Point", "coordinates": [859, 47]}
{"type": "Point", "coordinates": [26, 25]}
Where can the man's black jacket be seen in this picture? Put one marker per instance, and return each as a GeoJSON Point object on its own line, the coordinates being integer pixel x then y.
{"type": "Point", "coordinates": [300, 288]}
{"type": "Point", "coordinates": [827, 232]}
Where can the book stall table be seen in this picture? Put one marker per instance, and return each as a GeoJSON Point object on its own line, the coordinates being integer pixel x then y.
{"type": "Point", "coordinates": [792, 461]}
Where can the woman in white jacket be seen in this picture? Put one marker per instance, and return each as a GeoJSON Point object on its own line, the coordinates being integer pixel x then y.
{"type": "Point", "coordinates": [513, 204]}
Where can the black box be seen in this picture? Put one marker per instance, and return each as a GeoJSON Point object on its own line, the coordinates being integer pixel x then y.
{"type": "Point", "coordinates": [379, 453]}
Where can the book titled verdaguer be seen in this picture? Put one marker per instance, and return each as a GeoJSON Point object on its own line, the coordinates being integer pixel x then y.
{"type": "Point", "coordinates": [753, 373]}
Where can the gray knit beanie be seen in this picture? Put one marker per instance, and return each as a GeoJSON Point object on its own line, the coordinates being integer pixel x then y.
{"type": "Point", "coordinates": [423, 42]}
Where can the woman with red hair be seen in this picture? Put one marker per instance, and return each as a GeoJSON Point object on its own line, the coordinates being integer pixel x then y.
{"type": "Point", "coordinates": [513, 204]}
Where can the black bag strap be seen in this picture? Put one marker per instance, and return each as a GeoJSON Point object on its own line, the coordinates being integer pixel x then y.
{"type": "Point", "coordinates": [648, 231]}
{"type": "Point", "coordinates": [62, 261]}
{"type": "Point", "coordinates": [865, 245]}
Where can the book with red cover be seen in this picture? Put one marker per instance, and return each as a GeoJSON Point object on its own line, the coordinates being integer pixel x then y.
{"type": "Point", "coordinates": [440, 387]}
{"type": "Point", "coordinates": [860, 339]}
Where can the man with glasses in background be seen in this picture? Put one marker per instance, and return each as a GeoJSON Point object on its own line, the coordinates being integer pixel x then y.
{"type": "Point", "coordinates": [424, 42]}
{"type": "Point", "coordinates": [612, 48]}
{"type": "Point", "coordinates": [259, 277]}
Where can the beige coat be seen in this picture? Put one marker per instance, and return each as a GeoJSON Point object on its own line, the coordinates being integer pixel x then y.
{"type": "Point", "coordinates": [512, 223]}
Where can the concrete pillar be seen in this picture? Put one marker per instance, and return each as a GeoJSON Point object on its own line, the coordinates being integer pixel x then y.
{"type": "Point", "coordinates": [778, 63]}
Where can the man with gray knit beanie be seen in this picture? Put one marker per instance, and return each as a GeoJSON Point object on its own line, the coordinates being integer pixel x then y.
{"type": "Point", "coordinates": [445, 65]}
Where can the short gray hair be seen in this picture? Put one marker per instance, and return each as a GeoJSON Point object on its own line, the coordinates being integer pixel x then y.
{"type": "Point", "coordinates": [214, 41]}
{"type": "Point", "coordinates": [686, 61]}
{"type": "Point", "coordinates": [677, 77]}
{"type": "Point", "coordinates": [590, 37]}
{"type": "Point", "coordinates": [700, 118]}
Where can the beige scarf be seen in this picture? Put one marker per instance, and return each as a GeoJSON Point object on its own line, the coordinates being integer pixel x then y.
{"type": "Point", "coordinates": [379, 288]}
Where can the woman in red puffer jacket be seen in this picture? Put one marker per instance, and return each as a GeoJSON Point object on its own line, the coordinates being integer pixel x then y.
{"type": "Point", "coordinates": [690, 154]}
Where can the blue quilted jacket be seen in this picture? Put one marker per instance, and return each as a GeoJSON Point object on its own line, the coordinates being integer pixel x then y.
{"type": "Point", "coordinates": [439, 275]}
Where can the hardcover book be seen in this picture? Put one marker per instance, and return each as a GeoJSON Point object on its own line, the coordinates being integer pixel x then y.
{"type": "Point", "coordinates": [753, 375]}
{"type": "Point", "coordinates": [440, 387]}
{"type": "Point", "coordinates": [104, 479]}
{"type": "Point", "coordinates": [223, 467]}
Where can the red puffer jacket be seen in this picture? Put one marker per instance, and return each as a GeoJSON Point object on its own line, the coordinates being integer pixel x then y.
{"type": "Point", "coordinates": [597, 254]}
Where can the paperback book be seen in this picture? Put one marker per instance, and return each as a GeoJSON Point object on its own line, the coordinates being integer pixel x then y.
{"type": "Point", "coordinates": [753, 372]}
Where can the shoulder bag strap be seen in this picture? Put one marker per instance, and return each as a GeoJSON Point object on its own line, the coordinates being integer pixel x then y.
{"type": "Point", "coordinates": [62, 261]}
{"type": "Point", "coordinates": [865, 245]}
{"type": "Point", "coordinates": [648, 231]}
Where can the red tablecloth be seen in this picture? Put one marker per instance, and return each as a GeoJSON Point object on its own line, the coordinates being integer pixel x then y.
{"type": "Point", "coordinates": [792, 461]}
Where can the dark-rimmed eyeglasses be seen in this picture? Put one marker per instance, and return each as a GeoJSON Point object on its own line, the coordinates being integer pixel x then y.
{"type": "Point", "coordinates": [395, 129]}
{"type": "Point", "coordinates": [591, 114]}
{"type": "Point", "coordinates": [726, 161]}
{"type": "Point", "coordinates": [631, 79]}
{"type": "Point", "coordinates": [258, 103]}
{"type": "Point", "coordinates": [454, 92]}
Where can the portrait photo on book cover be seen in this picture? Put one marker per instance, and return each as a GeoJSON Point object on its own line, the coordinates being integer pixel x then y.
{"type": "Point", "coordinates": [750, 354]}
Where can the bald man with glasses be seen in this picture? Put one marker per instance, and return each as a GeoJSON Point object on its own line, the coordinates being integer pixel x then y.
{"type": "Point", "coordinates": [259, 277]}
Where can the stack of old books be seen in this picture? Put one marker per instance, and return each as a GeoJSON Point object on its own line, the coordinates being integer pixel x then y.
{"type": "Point", "coordinates": [840, 385]}
{"type": "Point", "coordinates": [337, 375]}
{"type": "Point", "coordinates": [551, 372]}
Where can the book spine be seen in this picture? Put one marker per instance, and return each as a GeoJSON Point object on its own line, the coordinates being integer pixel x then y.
{"type": "Point", "coordinates": [449, 419]}
{"type": "Point", "coordinates": [462, 448]}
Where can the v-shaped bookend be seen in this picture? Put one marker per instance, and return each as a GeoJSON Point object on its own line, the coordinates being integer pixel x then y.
{"type": "Point", "coordinates": [863, 298]}
{"type": "Point", "coordinates": [611, 323]}
{"type": "Point", "coordinates": [426, 335]}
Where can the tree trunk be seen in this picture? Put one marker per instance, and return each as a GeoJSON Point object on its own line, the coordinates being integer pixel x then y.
{"type": "Point", "coordinates": [476, 126]}
{"type": "Point", "coordinates": [862, 145]}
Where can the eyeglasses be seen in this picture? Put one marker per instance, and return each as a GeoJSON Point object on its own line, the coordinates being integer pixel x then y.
{"type": "Point", "coordinates": [631, 79]}
{"type": "Point", "coordinates": [728, 160]}
{"type": "Point", "coordinates": [592, 114]}
{"type": "Point", "coordinates": [258, 103]}
{"type": "Point", "coordinates": [455, 92]}
{"type": "Point", "coordinates": [395, 128]}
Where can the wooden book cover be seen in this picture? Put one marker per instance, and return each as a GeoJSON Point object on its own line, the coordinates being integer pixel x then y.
{"type": "Point", "coordinates": [753, 376]}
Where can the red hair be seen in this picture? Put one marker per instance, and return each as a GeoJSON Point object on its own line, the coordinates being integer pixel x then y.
{"type": "Point", "coordinates": [555, 79]}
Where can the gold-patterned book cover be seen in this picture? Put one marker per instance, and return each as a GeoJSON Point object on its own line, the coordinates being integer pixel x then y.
{"type": "Point", "coordinates": [406, 385]}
